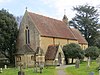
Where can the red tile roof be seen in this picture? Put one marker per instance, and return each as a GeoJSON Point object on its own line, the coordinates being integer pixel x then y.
{"type": "Point", "coordinates": [79, 36]}
{"type": "Point", "coordinates": [51, 27]}
{"type": "Point", "coordinates": [51, 52]}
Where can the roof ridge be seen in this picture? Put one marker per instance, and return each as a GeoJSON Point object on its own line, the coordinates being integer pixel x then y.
{"type": "Point", "coordinates": [45, 16]}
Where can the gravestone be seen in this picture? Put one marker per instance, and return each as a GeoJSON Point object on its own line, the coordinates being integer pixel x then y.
{"type": "Point", "coordinates": [41, 68]}
{"type": "Point", "coordinates": [77, 63]}
{"type": "Point", "coordinates": [99, 71]}
{"type": "Point", "coordinates": [21, 72]}
{"type": "Point", "coordinates": [36, 68]}
{"type": "Point", "coordinates": [91, 73]}
{"type": "Point", "coordinates": [89, 60]}
{"type": "Point", "coordinates": [98, 61]}
{"type": "Point", "coordinates": [5, 66]}
{"type": "Point", "coordinates": [1, 70]}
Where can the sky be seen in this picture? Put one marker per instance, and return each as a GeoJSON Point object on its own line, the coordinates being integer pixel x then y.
{"type": "Point", "coordinates": [50, 8]}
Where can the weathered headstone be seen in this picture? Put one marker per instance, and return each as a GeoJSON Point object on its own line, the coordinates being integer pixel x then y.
{"type": "Point", "coordinates": [36, 67]}
{"type": "Point", "coordinates": [91, 73]}
{"type": "Point", "coordinates": [41, 68]}
{"type": "Point", "coordinates": [89, 60]}
{"type": "Point", "coordinates": [99, 71]}
{"type": "Point", "coordinates": [98, 61]}
{"type": "Point", "coordinates": [21, 72]}
{"type": "Point", "coordinates": [5, 66]}
{"type": "Point", "coordinates": [1, 70]}
{"type": "Point", "coordinates": [77, 63]}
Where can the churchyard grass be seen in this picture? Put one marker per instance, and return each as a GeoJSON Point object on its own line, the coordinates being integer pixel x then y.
{"type": "Point", "coordinates": [29, 71]}
{"type": "Point", "coordinates": [83, 70]}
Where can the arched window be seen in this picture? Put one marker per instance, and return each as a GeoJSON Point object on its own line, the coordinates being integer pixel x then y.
{"type": "Point", "coordinates": [27, 35]}
{"type": "Point", "coordinates": [18, 59]}
{"type": "Point", "coordinates": [32, 57]}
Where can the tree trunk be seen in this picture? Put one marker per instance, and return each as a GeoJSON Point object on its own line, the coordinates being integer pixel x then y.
{"type": "Point", "coordinates": [12, 60]}
{"type": "Point", "coordinates": [66, 59]}
{"type": "Point", "coordinates": [72, 60]}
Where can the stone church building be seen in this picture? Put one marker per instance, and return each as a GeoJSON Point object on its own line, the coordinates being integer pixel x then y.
{"type": "Point", "coordinates": [40, 40]}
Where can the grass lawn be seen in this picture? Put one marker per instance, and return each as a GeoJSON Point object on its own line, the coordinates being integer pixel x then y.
{"type": "Point", "coordinates": [29, 71]}
{"type": "Point", "coordinates": [83, 70]}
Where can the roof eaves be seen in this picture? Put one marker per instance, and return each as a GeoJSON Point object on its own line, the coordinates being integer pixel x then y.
{"type": "Point", "coordinates": [67, 38]}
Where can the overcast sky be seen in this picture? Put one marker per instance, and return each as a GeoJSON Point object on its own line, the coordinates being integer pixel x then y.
{"type": "Point", "coordinates": [50, 8]}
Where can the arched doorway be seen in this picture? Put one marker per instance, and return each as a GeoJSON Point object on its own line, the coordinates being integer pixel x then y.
{"type": "Point", "coordinates": [59, 58]}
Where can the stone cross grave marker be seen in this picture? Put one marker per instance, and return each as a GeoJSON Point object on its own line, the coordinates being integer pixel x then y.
{"type": "Point", "coordinates": [77, 63]}
{"type": "Point", "coordinates": [21, 72]}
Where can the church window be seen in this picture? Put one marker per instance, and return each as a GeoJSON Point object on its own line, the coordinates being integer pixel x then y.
{"type": "Point", "coordinates": [27, 35]}
{"type": "Point", "coordinates": [18, 59]}
{"type": "Point", "coordinates": [32, 57]}
{"type": "Point", "coordinates": [84, 47]}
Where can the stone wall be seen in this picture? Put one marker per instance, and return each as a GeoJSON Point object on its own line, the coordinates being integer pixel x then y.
{"type": "Point", "coordinates": [25, 60]}
{"type": "Point", "coordinates": [49, 62]}
{"type": "Point", "coordinates": [34, 34]}
{"type": "Point", "coordinates": [46, 41]}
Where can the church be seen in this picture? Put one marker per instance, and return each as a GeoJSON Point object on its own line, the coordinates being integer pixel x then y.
{"type": "Point", "coordinates": [41, 39]}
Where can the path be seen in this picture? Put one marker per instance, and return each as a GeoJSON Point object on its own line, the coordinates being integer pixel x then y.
{"type": "Point", "coordinates": [60, 69]}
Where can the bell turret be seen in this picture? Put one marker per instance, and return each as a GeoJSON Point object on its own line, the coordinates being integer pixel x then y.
{"type": "Point", "coordinates": [65, 19]}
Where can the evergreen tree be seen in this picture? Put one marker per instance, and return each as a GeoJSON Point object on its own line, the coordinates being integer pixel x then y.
{"type": "Point", "coordinates": [8, 34]}
{"type": "Point", "coordinates": [86, 21]}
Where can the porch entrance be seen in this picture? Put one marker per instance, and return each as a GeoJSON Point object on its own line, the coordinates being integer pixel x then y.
{"type": "Point", "coordinates": [59, 59]}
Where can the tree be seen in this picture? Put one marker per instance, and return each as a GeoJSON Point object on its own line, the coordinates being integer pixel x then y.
{"type": "Point", "coordinates": [19, 19]}
{"type": "Point", "coordinates": [72, 51]}
{"type": "Point", "coordinates": [97, 41]}
{"type": "Point", "coordinates": [92, 52]}
{"type": "Point", "coordinates": [8, 34]}
{"type": "Point", "coordinates": [86, 21]}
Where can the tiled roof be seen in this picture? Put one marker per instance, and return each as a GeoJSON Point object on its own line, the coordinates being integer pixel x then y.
{"type": "Point", "coordinates": [26, 49]}
{"type": "Point", "coordinates": [51, 27]}
{"type": "Point", "coordinates": [51, 52]}
{"type": "Point", "coordinates": [79, 36]}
